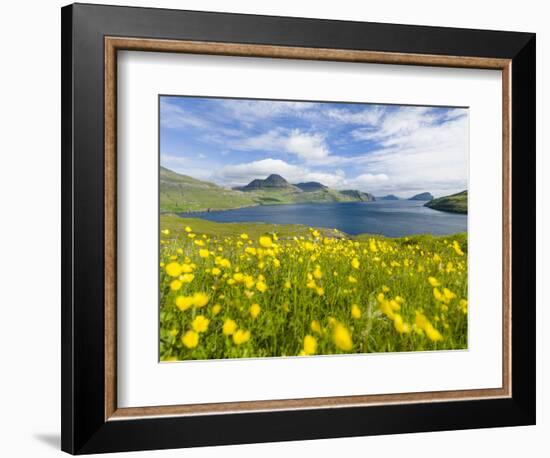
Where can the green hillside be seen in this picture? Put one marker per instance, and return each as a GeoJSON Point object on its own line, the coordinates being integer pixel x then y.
{"type": "Point", "coordinates": [181, 193]}
{"type": "Point", "coordinates": [291, 196]}
{"type": "Point", "coordinates": [455, 203]}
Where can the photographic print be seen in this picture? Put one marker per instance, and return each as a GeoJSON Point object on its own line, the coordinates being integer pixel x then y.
{"type": "Point", "coordinates": [301, 228]}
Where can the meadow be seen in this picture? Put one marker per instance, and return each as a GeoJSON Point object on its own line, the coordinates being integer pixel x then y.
{"type": "Point", "coordinates": [232, 290]}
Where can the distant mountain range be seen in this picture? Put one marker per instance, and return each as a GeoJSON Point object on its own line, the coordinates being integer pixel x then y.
{"type": "Point", "coordinates": [455, 203]}
{"type": "Point", "coordinates": [275, 189]}
{"type": "Point", "coordinates": [181, 193]}
{"type": "Point", "coordinates": [388, 197]}
{"type": "Point", "coordinates": [422, 196]}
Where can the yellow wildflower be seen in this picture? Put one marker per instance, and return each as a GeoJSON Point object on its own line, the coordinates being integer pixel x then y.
{"type": "Point", "coordinates": [200, 323]}
{"type": "Point", "coordinates": [190, 339]}
{"type": "Point", "coordinates": [240, 336]}
{"type": "Point", "coordinates": [433, 334]}
{"type": "Point", "coordinates": [342, 337]}
{"type": "Point", "coordinates": [255, 310]}
{"type": "Point", "coordinates": [448, 294]}
{"type": "Point", "coordinates": [229, 327]}
{"type": "Point", "coordinates": [355, 263]}
{"type": "Point", "coordinates": [310, 345]}
{"type": "Point", "coordinates": [186, 268]}
{"type": "Point", "coordinates": [372, 246]}
{"type": "Point", "coordinates": [244, 236]}
{"type": "Point", "coordinates": [187, 278]}
{"type": "Point", "coordinates": [433, 281]}
{"type": "Point", "coordinates": [400, 326]}
{"type": "Point", "coordinates": [464, 305]}
{"type": "Point", "coordinates": [204, 253]}
{"type": "Point", "coordinates": [316, 327]}
{"type": "Point", "coordinates": [355, 311]}
{"type": "Point", "coordinates": [184, 302]}
{"type": "Point", "coordinates": [317, 272]}
{"type": "Point", "coordinates": [200, 299]}
{"type": "Point", "coordinates": [456, 247]}
{"type": "Point", "coordinates": [216, 271]}
{"type": "Point", "coordinates": [187, 229]}
{"type": "Point", "coordinates": [265, 241]}
{"type": "Point", "coordinates": [261, 287]}
{"type": "Point", "coordinates": [175, 285]}
{"type": "Point", "coordinates": [437, 294]}
{"type": "Point", "coordinates": [423, 323]}
{"type": "Point", "coordinates": [173, 269]}
{"type": "Point", "coordinates": [216, 309]}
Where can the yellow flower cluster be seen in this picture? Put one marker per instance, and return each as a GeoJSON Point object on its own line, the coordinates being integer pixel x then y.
{"type": "Point", "coordinates": [313, 292]}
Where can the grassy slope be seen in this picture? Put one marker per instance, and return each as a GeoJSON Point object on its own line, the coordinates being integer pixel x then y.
{"type": "Point", "coordinates": [455, 203]}
{"type": "Point", "coordinates": [290, 196]}
{"type": "Point", "coordinates": [177, 225]}
{"type": "Point", "coordinates": [180, 193]}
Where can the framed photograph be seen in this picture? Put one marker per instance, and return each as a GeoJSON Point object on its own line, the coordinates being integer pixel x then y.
{"type": "Point", "coordinates": [284, 228]}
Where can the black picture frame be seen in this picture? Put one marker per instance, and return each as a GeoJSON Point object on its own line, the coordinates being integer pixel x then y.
{"type": "Point", "coordinates": [84, 428]}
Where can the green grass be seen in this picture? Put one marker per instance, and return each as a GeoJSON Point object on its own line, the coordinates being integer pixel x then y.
{"type": "Point", "coordinates": [218, 230]}
{"type": "Point", "coordinates": [180, 193]}
{"type": "Point", "coordinates": [307, 275]}
{"type": "Point", "coordinates": [455, 203]}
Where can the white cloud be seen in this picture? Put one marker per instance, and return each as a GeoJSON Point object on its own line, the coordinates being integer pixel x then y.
{"type": "Point", "coordinates": [253, 110]}
{"type": "Point", "coordinates": [420, 152]}
{"type": "Point", "coordinates": [174, 117]}
{"type": "Point", "coordinates": [310, 147]}
{"type": "Point", "coordinates": [367, 116]}
{"type": "Point", "coordinates": [366, 181]}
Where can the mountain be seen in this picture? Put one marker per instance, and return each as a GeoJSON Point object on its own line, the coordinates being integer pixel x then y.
{"type": "Point", "coordinates": [422, 196]}
{"type": "Point", "coordinates": [273, 181]}
{"type": "Point", "coordinates": [358, 195]}
{"type": "Point", "coordinates": [311, 186]}
{"type": "Point", "coordinates": [181, 193]}
{"type": "Point", "coordinates": [388, 197]}
{"type": "Point", "coordinates": [276, 190]}
{"type": "Point", "coordinates": [455, 203]}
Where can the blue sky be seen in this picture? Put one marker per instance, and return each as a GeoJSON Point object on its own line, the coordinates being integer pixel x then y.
{"type": "Point", "coordinates": [380, 149]}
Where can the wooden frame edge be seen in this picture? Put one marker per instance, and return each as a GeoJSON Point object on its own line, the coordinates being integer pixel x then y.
{"type": "Point", "coordinates": [112, 45]}
{"type": "Point", "coordinates": [110, 201]}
